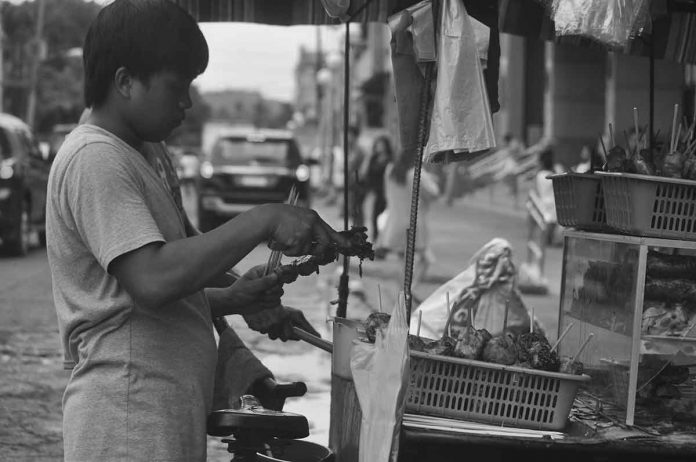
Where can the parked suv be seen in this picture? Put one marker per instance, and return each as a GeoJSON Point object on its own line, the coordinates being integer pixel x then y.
{"type": "Point", "coordinates": [23, 180]}
{"type": "Point", "coordinates": [246, 168]}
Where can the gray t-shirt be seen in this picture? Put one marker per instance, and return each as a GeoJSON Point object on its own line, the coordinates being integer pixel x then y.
{"type": "Point", "coordinates": [142, 383]}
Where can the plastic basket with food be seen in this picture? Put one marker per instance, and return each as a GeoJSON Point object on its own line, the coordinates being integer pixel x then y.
{"type": "Point", "coordinates": [579, 201]}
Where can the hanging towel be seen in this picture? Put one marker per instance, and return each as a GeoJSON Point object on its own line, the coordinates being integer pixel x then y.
{"type": "Point", "coordinates": [461, 123]}
{"type": "Point", "coordinates": [237, 369]}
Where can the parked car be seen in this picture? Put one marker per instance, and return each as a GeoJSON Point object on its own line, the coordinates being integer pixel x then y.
{"type": "Point", "coordinates": [23, 181]}
{"type": "Point", "coordinates": [248, 167]}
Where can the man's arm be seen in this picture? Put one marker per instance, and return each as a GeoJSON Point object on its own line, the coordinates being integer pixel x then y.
{"type": "Point", "coordinates": [158, 273]}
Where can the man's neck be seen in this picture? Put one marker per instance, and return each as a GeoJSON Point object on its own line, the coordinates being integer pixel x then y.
{"type": "Point", "coordinates": [116, 126]}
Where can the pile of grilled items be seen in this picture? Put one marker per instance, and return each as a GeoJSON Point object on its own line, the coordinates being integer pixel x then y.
{"type": "Point", "coordinates": [359, 247]}
{"type": "Point", "coordinates": [528, 350]}
{"type": "Point", "coordinates": [676, 159]}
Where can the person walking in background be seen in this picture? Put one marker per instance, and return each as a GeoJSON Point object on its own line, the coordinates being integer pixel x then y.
{"type": "Point", "coordinates": [356, 182]}
{"type": "Point", "coordinates": [398, 183]}
{"type": "Point", "coordinates": [380, 157]}
{"type": "Point", "coordinates": [586, 155]}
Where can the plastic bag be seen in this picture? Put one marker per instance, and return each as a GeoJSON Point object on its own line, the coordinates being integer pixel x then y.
{"type": "Point", "coordinates": [488, 284]}
{"type": "Point", "coordinates": [380, 374]}
{"type": "Point", "coordinates": [612, 22]}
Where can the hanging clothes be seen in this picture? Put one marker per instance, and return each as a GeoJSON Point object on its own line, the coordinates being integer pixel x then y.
{"type": "Point", "coordinates": [461, 122]}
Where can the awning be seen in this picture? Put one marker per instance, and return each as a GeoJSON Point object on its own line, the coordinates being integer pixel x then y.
{"type": "Point", "coordinates": [285, 12]}
{"type": "Point", "coordinates": [311, 12]}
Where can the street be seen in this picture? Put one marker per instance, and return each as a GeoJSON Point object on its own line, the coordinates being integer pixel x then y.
{"type": "Point", "coordinates": [31, 375]}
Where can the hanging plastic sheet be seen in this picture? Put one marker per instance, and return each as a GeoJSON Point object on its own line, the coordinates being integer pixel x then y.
{"type": "Point", "coordinates": [487, 285]}
{"type": "Point", "coordinates": [611, 22]}
{"type": "Point", "coordinates": [380, 374]}
{"type": "Point", "coordinates": [461, 123]}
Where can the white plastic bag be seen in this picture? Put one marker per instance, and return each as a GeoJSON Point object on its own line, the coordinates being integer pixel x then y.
{"type": "Point", "coordinates": [380, 374]}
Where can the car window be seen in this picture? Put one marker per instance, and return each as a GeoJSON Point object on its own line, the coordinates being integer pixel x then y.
{"type": "Point", "coordinates": [5, 146]}
{"type": "Point", "coordinates": [240, 151]}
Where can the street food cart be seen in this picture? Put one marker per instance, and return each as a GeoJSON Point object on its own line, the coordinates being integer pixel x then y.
{"type": "Point", "coordinates": [589, 427]}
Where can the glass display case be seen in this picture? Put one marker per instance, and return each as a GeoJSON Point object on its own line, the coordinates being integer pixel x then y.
{"type": "Point", "coordinates": [637, 298]}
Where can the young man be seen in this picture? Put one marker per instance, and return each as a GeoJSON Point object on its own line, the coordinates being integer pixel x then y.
{"type": "Point", "coordinates": [128, 281]}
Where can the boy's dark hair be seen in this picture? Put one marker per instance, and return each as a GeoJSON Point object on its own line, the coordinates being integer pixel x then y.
{"type": "Point", "coordinates": [145, 37]}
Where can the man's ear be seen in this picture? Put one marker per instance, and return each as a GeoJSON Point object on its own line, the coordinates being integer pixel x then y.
{"type": "Point", "coordinates": [123, 82]}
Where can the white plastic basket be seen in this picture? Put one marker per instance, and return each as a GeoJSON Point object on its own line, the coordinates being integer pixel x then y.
{"type": "Point", "coordinates": [491, 393]}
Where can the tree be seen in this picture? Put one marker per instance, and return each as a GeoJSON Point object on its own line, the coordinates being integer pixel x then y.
{"type": "Point", "coordinates": [59, 92]}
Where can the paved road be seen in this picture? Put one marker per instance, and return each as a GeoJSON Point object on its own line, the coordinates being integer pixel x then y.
{"type": "Point", "coordinates": [31, 379]}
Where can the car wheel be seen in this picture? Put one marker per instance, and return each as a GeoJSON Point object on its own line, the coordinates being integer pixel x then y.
{"type": "Point", "coordinates": [19, 245]}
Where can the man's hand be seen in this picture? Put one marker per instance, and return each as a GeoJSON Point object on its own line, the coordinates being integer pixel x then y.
{"type": "Point", "coordinates": [279, 322]}
{"type": "Point", "coordinates": [251, 293]}
{"type": "Point", "coordinates": [300, 231]}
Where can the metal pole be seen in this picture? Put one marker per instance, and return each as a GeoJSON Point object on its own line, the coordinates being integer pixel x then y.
{"type": "Point", "coordinates": [343, 281]}
{"type": "Point", "coordinates": [423, 125]}
{"type": "Point", "coordinates": [39, 51]}
{"type": "Point", "coordinates": [652, 96]}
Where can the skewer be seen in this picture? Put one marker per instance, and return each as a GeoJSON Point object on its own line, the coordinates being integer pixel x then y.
{"type": "Point", "coordinates": [635, 125]}
{"type": "Point", "coordinates": [611, 135]}
{"type": "Point", "coordinates": [674, 127]}
{"type": "Point", "coordinates": [505, 319]}
{"type": "Point", "coordinates": [449, 314]}
{"type": "Point", "coordinates": [676, 140]}
{"type": "Point", "coordinates": [471, 316]}
{"type": "Point", "coordinates": [276, 255]}
{"type": "Point", "coordinates": [582, 347]}
{"type": "Point", "coordinates": [420, 318]}
{"type": "Point", "coordinates": [379, 297]}
{"type": "Point", "coordinates": [562, 336]}
{"type": "Point", "coordinates": [628, 144]}
{"type": "Point", "coordinates": [531, 321]}
{"type": "Point", "coordinates": [604, 148]}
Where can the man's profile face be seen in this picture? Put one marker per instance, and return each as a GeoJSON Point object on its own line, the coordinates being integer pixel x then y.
{"type": "Point", "coordinates": [159, 103]}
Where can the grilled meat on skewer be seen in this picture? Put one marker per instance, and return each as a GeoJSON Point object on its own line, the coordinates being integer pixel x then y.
{"type": "Point", "coordinates": [534, 348]}
{"type": "Point", "coordinates": [415, 343]}
{"type": "Point", "coordinates": [571, 366]}
{"type": "Point", "coordinates": [500, 350]}
{"type": "Point", "coordinates": [359, 247]}
{"type": "Point", "coordinates": [471, 343]}
{"type": "Point", "coordinates": [374, 322]}
{"type": "Point", "coordinates": [443, 347]}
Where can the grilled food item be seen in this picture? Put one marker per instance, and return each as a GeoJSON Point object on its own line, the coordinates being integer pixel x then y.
{"type": "Point", "coordinates": [359, 247]}
{"type": "Point", "coordinates": [571, 366]}
{"type": "Point", "coordinates": [534, 348]}
{"type": "Point", "coordinates": [660, 318]}
{"type": "Point", "coordinates": [500, 350]}
{"type": "Point", "coordinates": [662, 265]}
{"type": "Point", "coordinates": [673, 164]}
{"type": "Point", "coordinates": [642, 163]}
{"type": "Point", "coordinates": [374, 322]}
{"type": "Point", "coordinates": [616, 159]}
{"type": "Point", "coordinates": [415, 343]}
{"type": "Point", "coordinates": [670, 290]}
{"type": "Point", "coordinates": [471, 343]}
{"type": "Point", "coordinates": [443, 347]}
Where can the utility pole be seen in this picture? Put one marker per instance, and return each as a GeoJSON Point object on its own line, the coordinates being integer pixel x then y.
{"type": "Point", "coordinates": [39, 47]}
{"type": "Point", "coordinates": [2, 67]}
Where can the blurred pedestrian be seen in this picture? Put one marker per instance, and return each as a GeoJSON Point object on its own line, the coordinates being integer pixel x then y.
{"type": "Point", "coordinates": [398, 184]}
{"type": "Point", "coordinates": [376, 165]}
{"type": "Point", "coordinates": [355, 180]}
{"type": "Point", "coordinates": [586, 155]}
